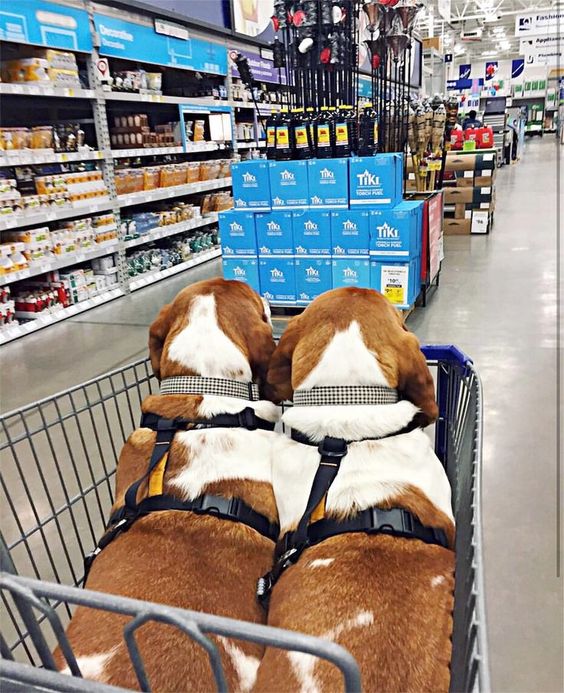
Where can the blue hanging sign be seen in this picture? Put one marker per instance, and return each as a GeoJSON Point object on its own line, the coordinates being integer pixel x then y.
{"type": "Point", "coordinates": [460, 84]}
{"type": "Point", "coordinates": [517, 67]}
{"type": "Point", "coordinates": [45, 24]}
{"type": "Point", "coordinates": [122, 39]}
{"type": "Point", "coordinates": [464, 71]}
{"type": "Point", "coordinates": [365, 87]}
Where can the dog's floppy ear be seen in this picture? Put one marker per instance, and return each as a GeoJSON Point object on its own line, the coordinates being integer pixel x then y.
{"type": "Point", "coordinates": [157, 335]}
{"type": "Point", "coordinates": [415, 380]}
{"type": "Point", "coordinates": [279, 378]}
{"type": "Point", "coordinates": [261, 346]}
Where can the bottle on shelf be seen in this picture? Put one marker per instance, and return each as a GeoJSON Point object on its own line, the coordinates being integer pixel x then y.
{"type": "Point", "coordinates": [301, 134]}
{"type": "Point", "coordinates": [324, 145]}
{"type": "Point", "coordinates": [343, 132]}
{"type": "Point", "coordinates": [271, 123]}
{"type": "Point", "coordinates": [283, 142]}
{"type": "Point", "coordinates": [368, 131]}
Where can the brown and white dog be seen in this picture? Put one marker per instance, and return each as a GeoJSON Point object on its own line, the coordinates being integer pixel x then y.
{"type": "Point", "coordinates": [220, 329]}
{"type": "Point", "coordinates": [388, 600]}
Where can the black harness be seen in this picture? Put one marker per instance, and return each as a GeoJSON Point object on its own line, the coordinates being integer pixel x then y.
{"type": "Point", "coordinates": [396, 522]}
{"type": "Point", "coordinates": [232, 509]}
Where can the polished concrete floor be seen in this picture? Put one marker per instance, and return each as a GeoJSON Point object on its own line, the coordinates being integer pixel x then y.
{"type": "Point", "coordinates": [497, 301]}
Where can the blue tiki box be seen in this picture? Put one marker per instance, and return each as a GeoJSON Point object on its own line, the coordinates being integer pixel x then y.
{"type": "Point", "coordinates": [237, 231]}
{"type": "Point", "coordinates": [277, 279]}
{"type": "Point", "coordinates": [289, 184]}
{"type": "Point", "coordinates": [328, 183]}
{"type": "Point", "coordinates": [313, 277]}
{"type": "Point", "coordinates": [376, 180]}
{"type": "Point", "coordinates": [243, 269]}
{"type": "Point", "coordinates": [312, 232]}
{"type": "Point", "coordinates": [349, 232]}
{"type": "Point", "coordinates": [274, 233]}
{"type": "Point", "coordinates": [398, 281]}
{"type": "Point", "coordinates": [251, 186]}
{"type": "Point", "coordinates": [395, 233]}
{"type": "Point", "coordinates": [351, 271]}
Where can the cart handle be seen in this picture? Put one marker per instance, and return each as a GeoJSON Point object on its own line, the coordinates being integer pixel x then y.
{"type": "Point", "coordinates": [446, 352]}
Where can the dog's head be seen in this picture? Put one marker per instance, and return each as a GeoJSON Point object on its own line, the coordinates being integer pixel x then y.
{"type": "Point", "coordinates": [215, 328]}
{"type": "Point", "coordinates": [386, 340]}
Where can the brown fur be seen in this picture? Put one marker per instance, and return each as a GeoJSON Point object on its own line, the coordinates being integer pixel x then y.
{"type": "Point", "coordinates": [396, 349]}
{"type": "Point", "coordinates": [178, 558]}
{"type": "Point", "coordinates": [400, 589]}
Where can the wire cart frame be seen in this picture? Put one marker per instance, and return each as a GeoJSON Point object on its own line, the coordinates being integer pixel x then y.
{"type": "Point", "coordinates": [56, 490]}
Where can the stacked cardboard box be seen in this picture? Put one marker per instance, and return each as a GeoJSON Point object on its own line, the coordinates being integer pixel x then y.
{"type": "Point", "coordinates": [299, 228]}
{"type": "Point", "coordinates": [469, 192]}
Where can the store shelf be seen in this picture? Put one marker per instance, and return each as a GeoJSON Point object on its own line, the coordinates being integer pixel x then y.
{"type": "Point", "coordinates": [161, 98]}
{"type": "Point", "coordinates": [152, 277]}
{"type": "Point", "coordinates": [20, 220]}
{"type": "Point", "coordinates": [159, 151]}
{"type": "Point", "coordinates": [138, 198]}
{"type": "Point", "coordinates": [59, 262]}
{"type": "Point", "coordinates": [27, 157]}
{"type": "Point", "coordinates": [8, 334]}
{"type": "Point", "coordinates": [252, 145]}
{"type": "Point", "coordinates": [165, 231]}
{"type": "Point", "coordinates": [37, 90]}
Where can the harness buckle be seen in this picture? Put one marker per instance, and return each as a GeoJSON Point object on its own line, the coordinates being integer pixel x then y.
{"type": "Point", "coordinates": [333, 447]}
{"type": "Point", "coordinates": [247, 419]}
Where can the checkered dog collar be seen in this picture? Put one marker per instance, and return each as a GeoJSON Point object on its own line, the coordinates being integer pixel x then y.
{"type": "Point", "coordinates": [196, 385]}
{"type": "Point", "coordinates": [345, 394]}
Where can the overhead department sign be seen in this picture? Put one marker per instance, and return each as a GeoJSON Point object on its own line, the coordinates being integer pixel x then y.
{"type": "Point", "coordinates": [539, 23]}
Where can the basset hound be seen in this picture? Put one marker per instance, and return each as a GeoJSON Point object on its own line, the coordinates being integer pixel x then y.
{"type": "Point", "coordinates": [383, 588]}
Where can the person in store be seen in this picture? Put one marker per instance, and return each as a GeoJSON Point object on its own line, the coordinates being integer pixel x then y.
{"type": "Point", "coordinates": [472, 121]}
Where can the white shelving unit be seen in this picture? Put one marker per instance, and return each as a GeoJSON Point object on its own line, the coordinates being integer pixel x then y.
{"type": "Point", "coordinates": [45, 90]}
{"type": "Point", "coordinates": [152, 277]}
{"type": "Point", "coordinates": [144, 196]}
{"type": "Point", "coordinates": [29, 157]}
{"type": "Point", "coordinates": [166, 231]}
{"type": "Point", "coordinates": [13, 221]}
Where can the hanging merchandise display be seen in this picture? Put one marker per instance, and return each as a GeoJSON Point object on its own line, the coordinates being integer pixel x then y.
{"type": "Point", "coordinates": [426, 139]}
{"type": "Point", "coordinates": [318, 44]}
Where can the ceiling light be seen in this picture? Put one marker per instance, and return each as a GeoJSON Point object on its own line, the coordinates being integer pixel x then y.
{"type": "Point", "coordinates": [498, 30]}
{"type": "Point", "coordinates": [489, 54]}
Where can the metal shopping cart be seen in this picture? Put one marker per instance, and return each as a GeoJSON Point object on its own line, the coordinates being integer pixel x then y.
{"type": "Point", "coordinates": [58, 464]}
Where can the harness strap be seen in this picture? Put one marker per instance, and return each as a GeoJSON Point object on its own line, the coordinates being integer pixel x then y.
{"type": "Point", "coordinates": [332, 451]}
{"type": "Point", "coordinates": [229, 509]}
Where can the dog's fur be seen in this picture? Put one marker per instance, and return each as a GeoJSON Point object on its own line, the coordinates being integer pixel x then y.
{"type": "Point", "coordinates": [215, 328]}
{"type": "Point", "coordinates": [388, 600]}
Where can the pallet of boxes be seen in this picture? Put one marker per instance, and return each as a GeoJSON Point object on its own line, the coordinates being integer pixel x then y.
{"type": "Point", "coordinates": [469, 192]}
{"type": "Point", "coordinates": [299, 228]}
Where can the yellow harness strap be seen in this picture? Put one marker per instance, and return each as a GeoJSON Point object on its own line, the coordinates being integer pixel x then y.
{"type": "Point", "coordinates": [319, 512]}
{"type": "Point", "coordinates": [157, 477]}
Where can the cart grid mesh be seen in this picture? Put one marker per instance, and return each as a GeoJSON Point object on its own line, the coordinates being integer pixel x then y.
{"type": "Point", "coordinates": [56, 488]}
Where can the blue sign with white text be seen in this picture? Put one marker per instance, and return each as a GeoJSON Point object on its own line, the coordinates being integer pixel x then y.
{"type": "Point", "coordinates": [45, 24]}
{"type": "Point", "coordinates": [517, 67]}
{"type": "Point", "coordinates": [464, 71]}
{"type": "Point", "coordinates": [122, 39]}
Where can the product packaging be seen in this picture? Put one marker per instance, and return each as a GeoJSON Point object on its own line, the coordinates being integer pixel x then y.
{"type": "Point", "coordinates": [238, 233]}
{"type": "Point", "coordinates": [328, 183]}
{"type": "Point", "coordinates": [242, 269]}
{"type": "Point", "coordinates": [289, 184]}
{"type": "Point", "coordinates": [396, 233]}
{"type": "Point", "coordinates": [312, 232]}
{"type": "Point", "coordinates": [277, 279]}
{"type": "Point", "coordinates": [376, 180]}
{"type": "Point", "coordinates": [274, 233]}
{"type": "Point", "coordinates": [251, 187]}
{"type": "Point", "coordinates": [349, 232]}
{"type": "Point", "coordinates": [351, 271]}
{"type": "Point", "coordinates": [399, 282]}
{"type": "Point", "coordinates": [313, 277]}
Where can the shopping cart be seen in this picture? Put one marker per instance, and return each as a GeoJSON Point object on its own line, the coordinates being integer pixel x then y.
{"type": "Point", "coordinates": [58, 464]}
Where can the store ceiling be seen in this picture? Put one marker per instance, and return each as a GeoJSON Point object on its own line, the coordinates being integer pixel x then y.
{"type": "Point", "coordinates": [495, 18]}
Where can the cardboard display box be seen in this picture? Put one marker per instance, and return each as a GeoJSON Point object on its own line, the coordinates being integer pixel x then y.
{"type": "Point", "coordinates": [457, 195]}
{"type": "Point", "coordinates": [349, 232]}
{"type": "Point", "coordinates": [351, 271]}
{"type": "Point", "coordinates": [289, 187]}
{"type": "Point", "coordinates": [242, 269]}
{"type": "Point", "coordinates": [312, 232]}
{"type": "Point", "coordinates": [237, 231]}
{"type": "Point", "coordinates": [313, 277]}
{"type": "Point", "coordinates": [328, 183]}
{"type": "Point", "coordinates": [376, 180]}
{"type": "Point", "coordinates": [251, 186]}
{"type": "Point", "coordinates": [277, 279]}
{"type": "Point", "coordinates": [274, 233]}
{"type": "Point", "coordinates": [457, 227]}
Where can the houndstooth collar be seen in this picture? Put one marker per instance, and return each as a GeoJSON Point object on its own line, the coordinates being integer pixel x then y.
{"type": "Point", "coordinates": [197, 385]}
{"type": "Point", "coordinates": [345, 394]}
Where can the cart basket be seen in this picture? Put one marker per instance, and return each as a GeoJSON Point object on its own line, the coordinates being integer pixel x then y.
{"type": "Point", "coordinates": [58, 465]}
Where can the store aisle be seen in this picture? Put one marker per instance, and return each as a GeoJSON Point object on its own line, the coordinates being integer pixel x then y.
{"type": "Point", "coordinates": [497, 301]}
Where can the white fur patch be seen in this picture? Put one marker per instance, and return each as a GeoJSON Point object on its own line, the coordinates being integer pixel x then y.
{"type": "Point", "coordinates": [320, 562]}
{"type": "Point", "coordinates": [345, 361]}
{"type": "Point", "coordinates": [245, 665]}
{"type": "Point", "coordinates": [92, 666]}
{"type": "Point", "coordinates": [371, 473]}
{"type": "Point", "coordinates": [204, 348]}
{"type": "Point", "coordinates": [303, 664]}
{"type": "Point", "coordinates": [437, 580]}
{"type": "Point", "coordinates": [216, 454]}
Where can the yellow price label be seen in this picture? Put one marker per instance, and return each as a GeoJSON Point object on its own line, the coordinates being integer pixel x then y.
{"type": "Point", "coordinates": [394, 294]}
{"type": "Point", "coordinates": [71, 92]}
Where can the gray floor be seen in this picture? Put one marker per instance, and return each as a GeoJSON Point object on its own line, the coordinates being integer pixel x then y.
{"type": "Point", "coordinates": [497, 301]}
